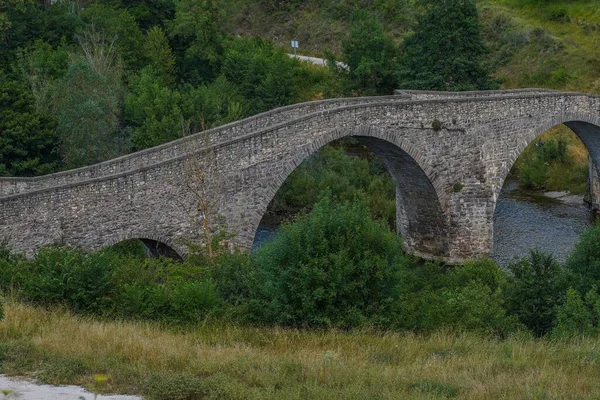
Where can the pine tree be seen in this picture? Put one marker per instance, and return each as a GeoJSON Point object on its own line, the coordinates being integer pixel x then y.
{"type": "Point", "coordinates": [446, 51]}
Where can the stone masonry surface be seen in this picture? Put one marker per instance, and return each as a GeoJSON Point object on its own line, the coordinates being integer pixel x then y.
{"type": "Point", "coordinates": [448, 153]}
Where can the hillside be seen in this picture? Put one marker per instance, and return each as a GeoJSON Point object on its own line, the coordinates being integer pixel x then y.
{"type": "Point", "coordinates": [534, 43]}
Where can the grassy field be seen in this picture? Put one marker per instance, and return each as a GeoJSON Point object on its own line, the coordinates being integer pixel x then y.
{"type": "Point", "coordinates": [230, 362]}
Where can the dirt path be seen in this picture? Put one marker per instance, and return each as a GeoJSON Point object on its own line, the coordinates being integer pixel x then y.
{"type": "Point", "coordinates": [20, 389]}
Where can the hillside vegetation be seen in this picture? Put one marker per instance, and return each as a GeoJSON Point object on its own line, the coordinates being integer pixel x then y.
{"type": "Point", "coordinates": [534, 43]}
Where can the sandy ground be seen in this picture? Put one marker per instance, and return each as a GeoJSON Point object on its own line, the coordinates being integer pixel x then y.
{"type": "Point", "coordinates": [565, 197]}
{"type": "Point", "coordinates": [20, 389]}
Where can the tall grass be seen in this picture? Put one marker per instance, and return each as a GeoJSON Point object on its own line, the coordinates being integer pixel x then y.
{"type": "Point", "coordinates": [232, 362]}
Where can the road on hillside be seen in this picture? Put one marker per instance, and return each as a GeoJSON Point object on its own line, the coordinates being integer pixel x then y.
{"type": "Point", "coordinates": [317, 61]}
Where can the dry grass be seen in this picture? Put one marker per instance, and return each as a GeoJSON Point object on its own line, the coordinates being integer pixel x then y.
{"type": "Point", "coordinates": [229, 362]}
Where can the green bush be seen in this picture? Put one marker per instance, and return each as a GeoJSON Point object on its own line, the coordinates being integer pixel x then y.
{"type": "Point", "coordinates": [534, 289]}
{"type": "Point", "coordinates": [113, 282]}
{"type": "Point", "coordinates": [577, 316]}
{"type": "Point", "coordinates": [232, 274]}
{"type": "Point", "coordinates": [336, 267]}
{"type": "Point", "coordinates": [61, 276]}
{"type": "Point", "coordinates": [583, 264]}
{"type": "Point", "coordinates": [467, 297]}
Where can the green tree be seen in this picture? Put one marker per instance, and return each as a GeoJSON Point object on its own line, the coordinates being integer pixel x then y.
{"type": "Point", "coordinates": [446, 51]}
{"type": "Point", "coordinates": [576, 316]}
{"type": "Point", "coordinates": [267, 77]}
{"type": "Point", "coordinates": [41, 67]}
{"type": "Point", "coordinates": [158, 51]}
{"type": "Point", "coordinates": [370, 55]}
{"type": "Point", "coordinates": [332, 170]}
{"type": "Point", "coordinates": [198, 42]}
{"type": "Point", "coordinates": [533, 291]}
{"type": "Point", "coordinates": [88, 105]}
{"type": "Point", "coordinates": [120, 26]}
{"type": "Point", "coordinates": [336, 267]}
{"type": "Point", "coordinates": [213, 104]}
{"type": "Point", "coordinates": [583, 264]}
{"type": "Point", "coordinates": [27, 138]}
{"type": "Point", "coordinates": [33, 21]}
{"type": "Point", "coordinates": [153, 110]}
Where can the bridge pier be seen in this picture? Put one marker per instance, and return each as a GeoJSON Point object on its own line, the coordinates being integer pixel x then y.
{"type": "Point", "coordinates": [593, 195]}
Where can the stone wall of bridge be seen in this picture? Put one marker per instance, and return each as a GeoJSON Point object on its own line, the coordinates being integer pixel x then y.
{"type": "Point", "coordinates": [448, 158]}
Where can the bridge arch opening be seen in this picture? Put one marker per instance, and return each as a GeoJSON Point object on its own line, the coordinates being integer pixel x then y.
{"type": "Point", "coordinates": [398, 190]}
{"type": "Point", "coordinates": [549, 192]}
{"type": "Point", "coordinates": [145, 248]}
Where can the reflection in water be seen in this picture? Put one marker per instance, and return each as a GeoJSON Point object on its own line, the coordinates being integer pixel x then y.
{"type": "Point", "coordinates": [522, 221]}
{"type": "Point", "coordinates": [526, 220]}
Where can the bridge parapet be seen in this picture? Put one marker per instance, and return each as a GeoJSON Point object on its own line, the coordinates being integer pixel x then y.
{"type": "Point", "coordinates": [433, 95]}
{"type": "Point", "coordinates": [13, 185]}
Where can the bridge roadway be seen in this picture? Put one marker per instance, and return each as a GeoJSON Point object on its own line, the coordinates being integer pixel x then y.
{"type": "Point", "coordinates": [448, 154]}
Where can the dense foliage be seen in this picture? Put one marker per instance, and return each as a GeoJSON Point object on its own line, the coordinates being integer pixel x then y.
{"type": "Point", "coordinates": [82, 82]}
{"type": "Point", "coordinates": [346, 171]}
{"type": "Point", "coordinates": [334, 267]}
{"type": "Point", "coordinates": [446, 50]}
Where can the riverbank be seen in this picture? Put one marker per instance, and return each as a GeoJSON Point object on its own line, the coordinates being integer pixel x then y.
{"type": "Point", "coordinates": [233, 362]}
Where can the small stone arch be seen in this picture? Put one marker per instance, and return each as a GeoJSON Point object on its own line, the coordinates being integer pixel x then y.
{"type": "Point", "coordinates": [419, 200]}
{"type": "Point", "coordinates": [157, 245]}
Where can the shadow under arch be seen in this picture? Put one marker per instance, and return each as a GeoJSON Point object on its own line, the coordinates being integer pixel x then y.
{"type": "Point", "coordinates": [419, 214]}
{"type": "Point", "coordinates": [156, 246]}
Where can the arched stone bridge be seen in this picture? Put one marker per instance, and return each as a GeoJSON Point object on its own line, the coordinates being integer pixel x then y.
{"type": "Point", "coordinates": [448, 153]}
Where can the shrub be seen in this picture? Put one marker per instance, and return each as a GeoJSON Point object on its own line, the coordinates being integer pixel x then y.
{"type": "Point", "coordinates": [560, 15]}
{"type": "Point", "coordinates": [64, 276]}
{"type": "Point", "coordinates": [336, 267]}
{"type": "Point", "coordinates": [577, 316]}
{"type": "Point", "coordinates": [583, 264]}
{"type": "Point", "coordinates": [232, 274]}
{"type": "Point", "coordinates": [467, 297]}
{"type": "Point", "coordinates": [534, 290]}
{"type": "Point", "coordinates": [1, 309]}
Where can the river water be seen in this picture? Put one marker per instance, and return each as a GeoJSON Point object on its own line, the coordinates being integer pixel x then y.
{"type": "Point", "coordinates": [523, 220]}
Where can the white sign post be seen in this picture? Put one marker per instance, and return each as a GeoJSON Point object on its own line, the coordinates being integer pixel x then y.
{"type": "Point", "coordinates": [294, 46]}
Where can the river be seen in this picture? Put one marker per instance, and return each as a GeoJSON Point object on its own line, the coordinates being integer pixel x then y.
{"type": "Point", "coordinates": [523, 220]}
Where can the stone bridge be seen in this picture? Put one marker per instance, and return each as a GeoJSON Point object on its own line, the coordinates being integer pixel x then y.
{"type": "Point", "coordinates": [448, 154]}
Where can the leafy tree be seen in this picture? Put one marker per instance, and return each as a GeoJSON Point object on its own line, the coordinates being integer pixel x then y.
{"type": "Point", "coordinates": [31, 21]}
{"type": "Point", "coordinates": [446, 50]}
{"type": "Point", "coordinates": [583, 264]}
{"type": "Point", "coordinates": [158, 51]}
{"type": "Point", "coordinates": [577, 316]}
{"type": "Point", "coordinates": [267, 77]}
{"type": "Point", "coordinates": [198, 42]}
{"type": "Point", "coordinates": [153, 110]}
{"type": "Point", "coordinates": [27, 138]}
{"type": "Point", "coordinates": [88, 108]}
{"type": "Point", "coordinates": [370, 55]}
{"type": "Point", "coordinates": [213, 104]}
{"type": "Point", "coordinates": [120, 26]}
{"type": "Point", "coordinates": [347, 178]}
{"type": "Point", "coordinates": [41, 67]}
{"type": "Point", "coordinates": [534, 290]}
{"type": "Point", "coordinates": [466, 297]}
{"type": "Point", "coordinates": [334, 267]}
{"type": "Point", "coordinates": [149, 13]}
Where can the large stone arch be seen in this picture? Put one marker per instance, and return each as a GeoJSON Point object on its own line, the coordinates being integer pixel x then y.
{"type": "Point", "coordinates": [157, 245]}
{"type": "Point", "coordinates": [419, 202]}
{"type": "Point", "coordinates": [586, 127]}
